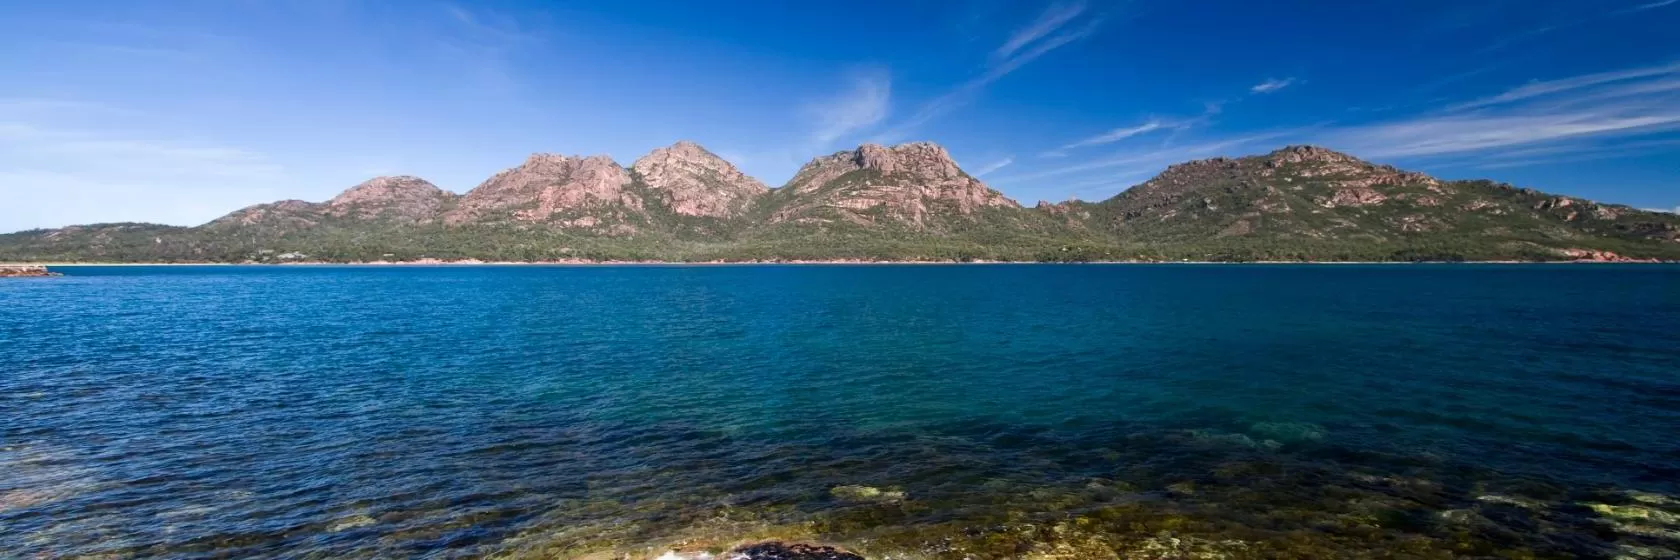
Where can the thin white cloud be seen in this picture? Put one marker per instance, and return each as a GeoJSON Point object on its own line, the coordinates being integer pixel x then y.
{"type": "Point", "coordinates": [1138, 161]}
{"type": "Point", "coordinates": [864, 105]}
{"type": "Point", "coordinates": [1108, 184]}
{"type": "Point", "coordinates": [1271, 85]}
{"type": "Point", "coordinates": [1552, 87]}
{"type": "Point", "coordinates": [1175, 126]}
{"type": "Point", "coordinates": [55, 174]}
{"type": "Point", "coordinates": [1116, 135]}
{"type": "Point", "coordinates": [1525, 35]}
{"type": "Point", "coordinates": [1053, 29]}
{"type": "Point", "coordinates": [1617, 104]}
{"type": "Point", "coordinates": [1455, 134]}
{"type": "Point", "coordinates": [1605, 115]}
{"type": "Point", "coordinates": [97, 151]}
{"type": "Point", "coordinates": [1574, 20]}
{"type": "Point", "coordinates": [994, 166]}
{"type": "Point", "coordinates": [479, 44]}
{"type": "Point", "coordinates": [489, 26]}
{"type": "Point", "coordinates": [123, 50]}
{"type": "Point", "coordinates": [1569, 152]}
{"type": "Point", "coordinates": [1053, 18]}
{"type": "Point", "coordinates": [1644, 7]}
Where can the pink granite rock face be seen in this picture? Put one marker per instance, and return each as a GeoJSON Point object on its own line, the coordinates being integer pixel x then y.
{"type": "Point", "coordinates": [548, 187]}
{"type": "Point", "coordinates": [402, 198]}
{"type": "Point", "coordinates": [23, 271]}
{"type": "Point", "coordinates": [1594, 255]}
{"type": "Point", "coordinates": [692, 181]}
{"type": "Point", "coordinates": [913, 184]}
{"type": "Point", "coordinates": [285, 214]}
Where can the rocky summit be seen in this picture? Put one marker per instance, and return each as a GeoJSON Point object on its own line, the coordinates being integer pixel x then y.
{"type": "Point", "coordinates": [401, 198]}
{"type": "Point", "coordinates": [691, 181]}
{"type": "Point", "coordinates": [914, 185]}
{"type": "Point", "coordinates": [588, 193]}
{"type": "Point", "coordinates": [1300, 201]}
{"type": "Point", "coordinates": [905, 202]}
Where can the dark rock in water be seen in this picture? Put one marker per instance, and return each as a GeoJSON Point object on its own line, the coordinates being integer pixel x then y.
{"type": "Point", "coordinates": [784, 551]}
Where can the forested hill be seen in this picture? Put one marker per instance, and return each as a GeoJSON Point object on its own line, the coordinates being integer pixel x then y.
{"type": "Point", "coordinates": [905, 202]}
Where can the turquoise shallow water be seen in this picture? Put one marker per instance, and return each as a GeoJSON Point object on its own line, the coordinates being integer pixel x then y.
{"type": "Point", "coordinates": [1267, 411]}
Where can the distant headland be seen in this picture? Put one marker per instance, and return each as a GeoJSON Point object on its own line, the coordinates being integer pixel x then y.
{"type": "Point", "coordinates": [904, 203]}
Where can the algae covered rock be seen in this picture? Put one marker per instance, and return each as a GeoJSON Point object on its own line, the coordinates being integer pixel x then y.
{"type": "Point", "coordinates": [860, 493]}
{"type": "Point", "coordinates": [785, 551]}
{"type": "Point", "coordinates": [1290, 432]}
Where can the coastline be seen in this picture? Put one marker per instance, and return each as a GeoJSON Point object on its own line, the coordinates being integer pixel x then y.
{"type": "Point", "coordinates": [835, 262]}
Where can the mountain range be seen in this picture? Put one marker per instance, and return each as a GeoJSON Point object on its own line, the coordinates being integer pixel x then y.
{"type": "Point", "coordinates": [908, 202]}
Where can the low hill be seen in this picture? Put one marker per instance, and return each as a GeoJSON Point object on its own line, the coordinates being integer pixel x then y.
{"type": "Point", "coordinates": [905, 202]}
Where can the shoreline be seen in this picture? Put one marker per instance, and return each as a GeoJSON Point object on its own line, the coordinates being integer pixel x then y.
{"type": "Point", "coordinates": [836, 262]}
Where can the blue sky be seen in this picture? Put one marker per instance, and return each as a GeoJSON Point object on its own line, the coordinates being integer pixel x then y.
{"type": "Point", "coordinates": [180, 111]}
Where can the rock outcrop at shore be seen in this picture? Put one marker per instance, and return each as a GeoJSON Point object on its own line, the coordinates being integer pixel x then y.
{"type": "Point", "coordinates": [25, 271]}
{"type": "Point", "coordinates": [1590, 255]}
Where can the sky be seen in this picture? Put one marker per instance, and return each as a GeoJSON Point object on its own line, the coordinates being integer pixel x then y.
{"type": "Point", "coordinates": [179, 111]}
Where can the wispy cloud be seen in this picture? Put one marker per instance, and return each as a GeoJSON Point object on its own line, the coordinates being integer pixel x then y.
{"type": "Point", "coordinates": [30, 131]}
{"type": "Point", "coordinates": [1271, 85]}
{"type": "Point", "coordinates": [1458, 134]}
{"type": "Point", "coordinates": [1613, 114]}
{"type": "Point", "coordinates": [1173, 125]}
{"type": "Point", "coordinates": [864, 105]}
{"type": "Point", "coordinates": [1116, 135]}
{"type": "Point", "coordinates": [1572, 21]}
{"type": "Point", "coordinates": [1137, 161]}
{"type": "Point", "coordinates": [1108, 184]}
{"type": "Point", "coordinates": [1570, 152]}
{"type": "Point", "coordinates": [480, 42]}
{"type": "Point", "coordinates": [1053, 18]}
{"type": "Point", "coordinates": [1622, 103]}
{"type": "Point", "coordinates": [490, 27]}
{"type": "Point", "coordinates": [1059, 25]}
{"type": "Point", "coordinates": [1521, 36]}
{"type": "Point", "coordinates": [1564, 85]}
{"type": "Point", "coordinates": [58, 174]}
{"type": "Point", "coordinates": [1644, 7]}
{"type": "Point", "coordinates": [994, 166]}
{"type": "Point", "coordinates": [124, 50]}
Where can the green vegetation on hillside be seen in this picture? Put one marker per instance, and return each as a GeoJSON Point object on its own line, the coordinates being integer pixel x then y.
{"type": "Point", "coordinates": [1296, 204]}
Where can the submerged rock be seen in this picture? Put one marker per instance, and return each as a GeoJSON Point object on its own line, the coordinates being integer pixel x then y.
{"type": "Point", "coordinates": [1653, 498]}
{"type": "Point", "coordinates": [353, 522]}
{"type": "Point", "coordinates": [1517, 501]}
{"type": "Point", "coordinates": [1289, 432]}
{"type": "Point", "coordinates": [1636, 513]}
{"type": "Point", "coordinates": [785, 551]}
{"type": "Point", "coordinates": [858, 493]}
{"type": "Point", "coordinates": [772, 550]}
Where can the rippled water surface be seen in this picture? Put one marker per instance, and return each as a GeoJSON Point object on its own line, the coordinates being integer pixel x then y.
{"type": "Point", "coordinates": [1424, 411]}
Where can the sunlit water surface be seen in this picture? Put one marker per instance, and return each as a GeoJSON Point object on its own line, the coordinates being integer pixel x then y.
{"type": "Point", "coordinates": [908, 411]}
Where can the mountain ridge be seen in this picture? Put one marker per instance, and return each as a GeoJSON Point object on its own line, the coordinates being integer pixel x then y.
{"type": "Point", "coordinates": [904, 202]}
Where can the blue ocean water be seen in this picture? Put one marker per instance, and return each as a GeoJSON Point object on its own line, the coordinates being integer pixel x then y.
{"type": "Point", "coordinates": [463, 411]}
